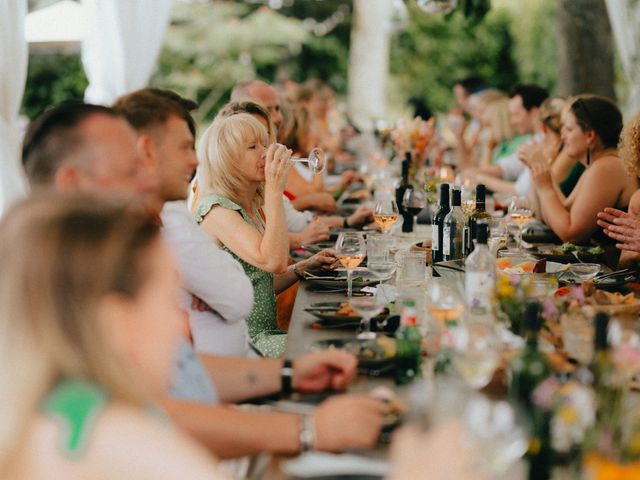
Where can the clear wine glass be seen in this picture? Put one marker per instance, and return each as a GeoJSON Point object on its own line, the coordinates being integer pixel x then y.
{"type": "Point", "coordinates": [520, 212]}
{"type": "Point", "coordinates": [386, 214]}
{"type": "Point", "coordinates": [367, 307]}
{"type": "Point", "coordinates": [476, 353]}
{"type": "Point", "coordinates": [495, 434]}
{"type": "Point", "coordinates": [316, 160]}
{"type": "Point", "coordinates": [413, 201]}
{"type": "Point", "coordinates": [445, 304]}
{"type": "Point", "coordinates": [350, 251]}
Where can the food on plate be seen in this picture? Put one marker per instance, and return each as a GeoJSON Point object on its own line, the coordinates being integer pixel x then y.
{"type": "Point", "coordinates": [345, 310]}
{"type": "Point", "coordinates": [380, 348]}
{"type": "Point", "coordinates": [506, 265]}
{"type": "Point", "coordinates": [602, 297]}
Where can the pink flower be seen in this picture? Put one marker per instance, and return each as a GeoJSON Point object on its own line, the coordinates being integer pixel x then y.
{"type": "Point", "coordinates": [544, 393]}
{"type": "Point", "coordinates": [549, 309]}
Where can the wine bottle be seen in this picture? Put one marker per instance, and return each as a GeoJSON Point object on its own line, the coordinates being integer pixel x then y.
{"type": "Point", "coordinates": [480, 213]}
{"type": "Point", "coordinates": [453, 229]}
{"type": "Point", "coordinates": [528, 371]}
{"type": "Point", "coordinates": [404, 183]}
{"type": "Point", "coordinates": [608, 391]}
{"type": "Point", "coordinates": [437, 224]}
{"type": "Point", "coordinates": [480, 275]}
{"type": "Point", "coordinates": [408, 345]}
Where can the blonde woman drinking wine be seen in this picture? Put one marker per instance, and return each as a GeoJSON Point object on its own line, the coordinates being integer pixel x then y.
{"type": "Point", "coordinates": [239, 174]}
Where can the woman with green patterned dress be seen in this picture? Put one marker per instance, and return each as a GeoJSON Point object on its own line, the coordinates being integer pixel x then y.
{"type": "Point", "coordinates": [241, 172]}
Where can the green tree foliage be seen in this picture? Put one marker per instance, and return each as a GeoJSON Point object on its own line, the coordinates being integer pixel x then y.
{"type": "Point", "coordinates": [52, 79]}
{"type": "Point", "coordinates": [433, 52]}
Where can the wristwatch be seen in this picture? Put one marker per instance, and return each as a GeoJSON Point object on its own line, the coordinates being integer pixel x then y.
{"type": "Point", "coordinates": [286, 377]}
{"type": "Point", "coordinates": [345, 222]}
{"type": "Point", "coordinates": [307, 433]}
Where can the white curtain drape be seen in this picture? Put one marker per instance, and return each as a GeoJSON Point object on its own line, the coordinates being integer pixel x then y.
{"type": "Point", "coordinates": [13, 75]}
{"type": "Point", "coordinates": [122, 45]}
{"type": "Point", "coordinates": [624, 16]}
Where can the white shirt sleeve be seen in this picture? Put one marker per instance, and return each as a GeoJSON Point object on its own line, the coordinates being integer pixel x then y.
{"type": "Point", "coordinates": [511, 167]}
{"type": "Point", "coordinates": [296, 220]}
{"type": "Point", "coordinates": [207, 271]}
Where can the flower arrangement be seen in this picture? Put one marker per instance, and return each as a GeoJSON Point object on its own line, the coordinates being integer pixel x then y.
{"type": "Point", "coordinates": [512, 292]}
{"type": "Point", "coordinates": [413, 136]}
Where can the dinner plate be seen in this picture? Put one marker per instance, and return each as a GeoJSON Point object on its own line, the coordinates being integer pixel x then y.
{"type": "Point", "coordinates": [360, 279]}
{"type": "Point", "coordinates": [318, 247]}
{"type": "Point", "coordinates": [373, 353]}
{"type": "Point", "coordinates": [554, 253]}
{"type": "Point", "coordinates": [327, 311]}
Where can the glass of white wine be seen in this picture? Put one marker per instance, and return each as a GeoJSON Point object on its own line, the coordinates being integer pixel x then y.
{"type": "Point", "coordinates": [350, 251]}
{"type": "Point", "coordinates": [316, 160]}
{"type": "Point", "coordinates": [445, 304]}
{"type": "Point", "coordinates": [386, 214]}
{"type": "Point", "coordinates": [520, 212]}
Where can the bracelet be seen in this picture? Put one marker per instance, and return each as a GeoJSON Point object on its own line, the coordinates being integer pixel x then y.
{"type": "Point", "coordinates": [307, 433]}
{"type": "Point", "coordinates": [299, 275]}
{"type": "Point", "coordinates": [286, 377]}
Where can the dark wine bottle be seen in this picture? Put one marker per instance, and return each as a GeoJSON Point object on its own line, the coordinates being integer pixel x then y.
{"type": "Point", "coordinates": [400, 190]}
{"type": "Point", "coordinates": [453, 230]}
{"type": "Point", "coordinates": [480, 213]}
{"type": "Point", "coordinates": [528, 371]}
{"type": "Point", "coordinates": [437, 224]}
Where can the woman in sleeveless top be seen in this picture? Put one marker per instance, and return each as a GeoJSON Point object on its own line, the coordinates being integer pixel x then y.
{"type": "Point", "coordinates": [238, 175]}
{"type": "Point", "coordinates": [90, 321]}
{"type": "Point", "coordinates": [590, 131]}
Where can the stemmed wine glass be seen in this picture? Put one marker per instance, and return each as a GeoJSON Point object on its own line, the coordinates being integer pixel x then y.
{"type": "Point", "coordinates": [413, 201]}
{"type": "Point", "coordinates": [476, 353]}
{"type": "Point", "coordinates": [350, 251]}
{"type": "Point", "coordinates": [520, 212]}
{"type": "Point", "coordinates": [386, 214]}
{"type": "Point", "coordinates": [316, 160]}
{"type": "Point", "coordinates": [367, 307]}
{"type": "Point", "coordinates": [445, 304]}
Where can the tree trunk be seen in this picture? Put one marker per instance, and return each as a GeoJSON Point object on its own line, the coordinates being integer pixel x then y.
{"type": "Point", "coordinates": [369, 61]}
{"type": "Point", "coordinates": [585, 48]}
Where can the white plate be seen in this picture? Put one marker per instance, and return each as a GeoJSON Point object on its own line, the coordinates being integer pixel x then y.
{"type": "Point", "coordinates": [317, 464]}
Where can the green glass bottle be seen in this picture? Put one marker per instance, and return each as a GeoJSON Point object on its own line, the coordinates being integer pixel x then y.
{"type": "Point", "coordinates": [408, 345]}
{"type": "Point", "coordinates": [528, 371]}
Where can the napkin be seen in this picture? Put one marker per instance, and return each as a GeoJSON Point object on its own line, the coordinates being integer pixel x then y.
{"type": "Point", "coordinates": [319, 464]}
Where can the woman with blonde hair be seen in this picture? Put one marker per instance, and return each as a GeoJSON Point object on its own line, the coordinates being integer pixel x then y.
{"type": "Point", "coordinates": [90, 324]}
{"type": "Point", "coordinates": [238, 175]}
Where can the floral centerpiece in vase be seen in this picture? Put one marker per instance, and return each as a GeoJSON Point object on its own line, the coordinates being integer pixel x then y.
{"type": "Point", "coordinates": [413, 137]}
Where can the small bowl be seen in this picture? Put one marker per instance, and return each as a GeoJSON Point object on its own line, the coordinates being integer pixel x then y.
{"type": "Point", "coordinates": [584, 271]}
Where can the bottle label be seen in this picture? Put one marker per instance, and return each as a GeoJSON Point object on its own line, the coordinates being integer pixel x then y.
{"type": "Point", "coordinates": [479, 288]}
{"type": "Point", "coordinates": [435, 243]}
{"type": "Point", "coordinates": [446, 240]}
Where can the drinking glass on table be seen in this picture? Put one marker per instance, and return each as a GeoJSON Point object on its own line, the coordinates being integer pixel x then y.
{"type": "Point", "coordinates": [413, 201]}
{"type": "Point", "coordinates": [520, 212]}
{"type": "Point", "coordinates": [379, 259]}
{"type": "Point", "coordinates": [386, 213]}
{"type": "Point", "coordinates": [445, 304]}
{"type": "Point", "coordinates": [476, 353]}
{"type": "Point", "coordinates": [350, 251]}
{"type": "Point", "coordinates": [367, 307]}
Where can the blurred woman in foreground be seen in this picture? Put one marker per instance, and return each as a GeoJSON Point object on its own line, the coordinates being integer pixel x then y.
{"type": "Point", "coordinates": [89, 322]}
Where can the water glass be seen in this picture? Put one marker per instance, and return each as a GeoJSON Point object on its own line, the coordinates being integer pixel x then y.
{"type": "Point", "coordinates": [412, 268]}
{"type": "Point", "coordinates": [577, 336]}
{"type": "Point", "coordinates": [476, 353]}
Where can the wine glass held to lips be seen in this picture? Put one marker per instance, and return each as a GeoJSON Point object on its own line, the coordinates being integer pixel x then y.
{"type": "Point", "coordinates": [386, 214]}
{"type": "Point", "coordinates": [316, 160]}
{"type": "Point", "coordinates": [350, 251]}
